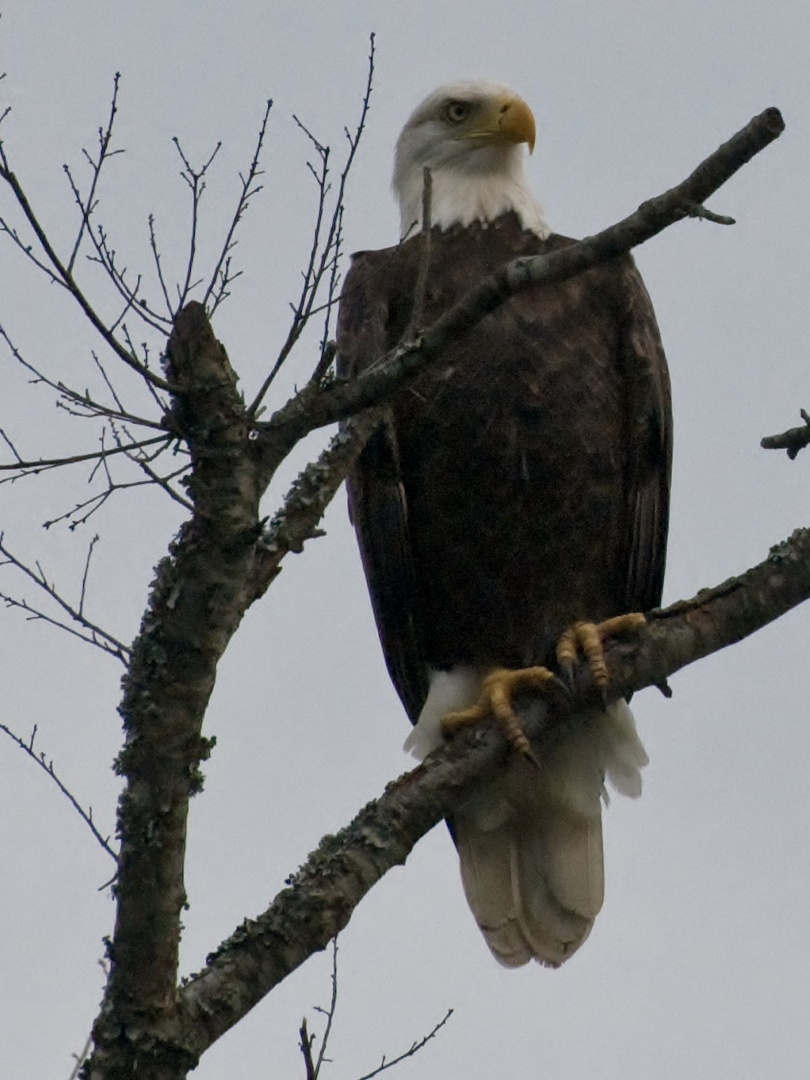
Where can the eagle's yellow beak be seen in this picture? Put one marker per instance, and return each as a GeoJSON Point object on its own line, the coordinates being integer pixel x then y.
{"type": "Point", "coordinates": [515, 121]}
{"type": "Point", "coordinates": [506, 118]}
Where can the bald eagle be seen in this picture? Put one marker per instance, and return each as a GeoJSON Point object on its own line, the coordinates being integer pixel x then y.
{"type": "Point", "coordinates": [514, 498]}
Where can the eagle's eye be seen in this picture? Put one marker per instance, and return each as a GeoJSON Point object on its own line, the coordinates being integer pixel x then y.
{"type": "Point", "coordinates": [456, 111]}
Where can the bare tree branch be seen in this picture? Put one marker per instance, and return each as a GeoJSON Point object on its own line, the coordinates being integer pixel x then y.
{"type": "Point", "coordinates": [60, 274]}
{"type": "Point", "coordinates": [702, 214]}
{"type": "Point", "coordinates": [47, 766]}
{"type": "Point", "coordinates": [80, 1058]}
{"type": "Point", "coordinates": [68, 396]}
{"type": "Point", "coordinates": [323, 254]}
{"type": "Point", "coordinates": [43, 464]}
{"type": "Point", "coordinates": [323, 894]}
{"type": "Point", "coordinates": [158, 268]}
{"type": "Point", "coordinates": [88, 206]}
{"type": "Point", "coordinates": [299, 516]}
{"type": "Point", "coordinates": [793, 440]}
{"type": "Point", "coordinates": [307, 1041]}
{"type": "Point", "coordinates": [330, 1012]}
{"type": "Point", "coordinates": [374, 385]}
{"type": "Point", "coordinates": [195, 178]}
{"type": "Point", "coordinates": [414, 1049]}
{"type": "Point", "coordinates": [221, 277]}
{"type": "Point", "coordinates": [420, 289]}
{"type": "Point", "coordinates": [94, 634]}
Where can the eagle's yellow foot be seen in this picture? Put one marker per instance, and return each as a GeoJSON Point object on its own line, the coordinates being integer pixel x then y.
{"type": "Point", "coordinates": [495, 704]}
{"type": "Point", "coordinates": [589, 637]}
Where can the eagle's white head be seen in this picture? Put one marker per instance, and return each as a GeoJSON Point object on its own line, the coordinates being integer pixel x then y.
{"type": "Point", "coordinates": [469, 134]}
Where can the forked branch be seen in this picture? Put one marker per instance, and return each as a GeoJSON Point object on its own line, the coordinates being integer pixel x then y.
{"type": "Point", "coordinates": [61, 274]}
{"type": "Point", "coordinates": [79, 626]}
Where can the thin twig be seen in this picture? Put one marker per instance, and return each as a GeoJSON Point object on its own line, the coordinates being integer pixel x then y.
{"type": "Point", "coordinates": [99, 637]}
{"type": "Point", "coordinates": [47, 766]}
{"type": "Point", "coordinates": [121, 410]}
{"type": "Point", "coordinates": [323, 254]}
{"type": "Point", "coordinates": [158, 267]}
{"type": "Point", "coordinates": [330, 1013]}
{"type": "Point", "coordinates": [87, 208]}
{"type": "Point", "coordinates": [95, 502]}
{"type": "Point", "coordinates": [81, 1058]}
{"type": "Point", "coordinates": [94, 408]}
{"type": "Point", "coordinates": [106, 257]}
{"type": "Point", "coordinates": [43, 464]}
{"type": "Point", "coordinates": [90, 548]}
{"type": "Point", "coordinates": [221, 272]}
{"type": "Point", "coordinates": [13, 449]}
{"type": "Point", "coordinates": [195, 178]}
{"type": "Point", "coordinates": [415, 1048]}
{"type": "Point", "coordinates": [325, 361]}
{"type": "Point", "coordinates": [163, 481]}
{"type": "Point", "coordinates": [702, 214]}
{"type": "Point", "coordinates": [310, 274]}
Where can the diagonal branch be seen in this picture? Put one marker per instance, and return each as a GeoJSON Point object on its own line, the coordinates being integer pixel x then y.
{"type": "Point", "coordinates": [414, 1049]}
{"type": "Point", "coordinates": [323, 894]}
{"type": "Point", "coordinates": [305, 503]}
{"type": "Point", "coordinates": [47, 766]}
{"type": "Point", "coordinates": [336, 402]}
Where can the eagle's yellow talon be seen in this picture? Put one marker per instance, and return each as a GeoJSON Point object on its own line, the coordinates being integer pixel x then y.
{"type": "Point", "coordinates": [495, 705]}
{"type": "Point", "coordinates": [589, 637]}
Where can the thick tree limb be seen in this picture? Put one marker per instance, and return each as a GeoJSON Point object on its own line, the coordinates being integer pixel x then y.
{"type": "Point", "coordinates": [196, 604]}
{"type": "Point", "coordinates": [306, 501]}
{"type": "Point", "coordinates": [324, 893]}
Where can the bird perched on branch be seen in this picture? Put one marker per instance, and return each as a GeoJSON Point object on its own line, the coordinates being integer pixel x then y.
{"type": "Point", "coordinates": [511, 508]}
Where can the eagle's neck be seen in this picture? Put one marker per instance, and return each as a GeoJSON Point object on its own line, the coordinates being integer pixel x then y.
{"type": "Point", "coordinates": [460, 197]}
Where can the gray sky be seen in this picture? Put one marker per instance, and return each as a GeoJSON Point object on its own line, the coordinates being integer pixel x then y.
{"type": "Point", "coordinates": [699, 964]}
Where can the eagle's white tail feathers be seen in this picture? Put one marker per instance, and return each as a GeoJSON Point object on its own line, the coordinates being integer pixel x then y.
{"type": "Point", "coordinates": [530, 843]}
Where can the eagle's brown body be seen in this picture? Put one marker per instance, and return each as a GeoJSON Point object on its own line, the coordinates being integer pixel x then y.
{"type": "Point", "coordinates": [517, 487]}
{"type": "Point", "coordinates": [521, 483]}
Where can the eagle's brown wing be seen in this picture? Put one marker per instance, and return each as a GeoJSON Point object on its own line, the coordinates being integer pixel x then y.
{"type": "Point", "coordinates": [377, 503]}
{"type": "Point", "coordinates": [649, 428]}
